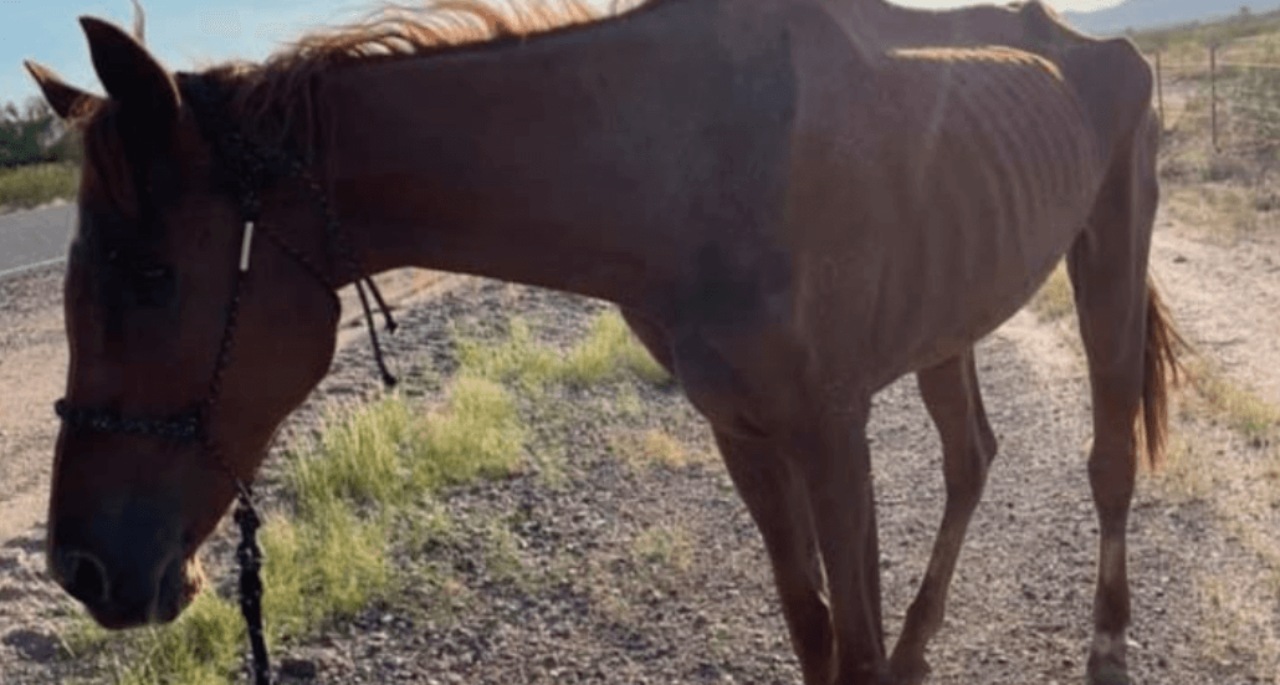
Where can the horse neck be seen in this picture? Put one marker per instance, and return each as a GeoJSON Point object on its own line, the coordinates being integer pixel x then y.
{"type": "Point", "coordinates": [527, 162]}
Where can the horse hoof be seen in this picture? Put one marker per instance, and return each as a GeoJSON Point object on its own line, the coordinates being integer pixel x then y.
{"type": "Point", "coordinates": [1109, 674]}
{"type": "Point", "coordinates": [912, 673]}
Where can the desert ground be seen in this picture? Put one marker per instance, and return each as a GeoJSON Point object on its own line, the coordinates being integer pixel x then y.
{"type": "Point", "coordinates": [613, 572]}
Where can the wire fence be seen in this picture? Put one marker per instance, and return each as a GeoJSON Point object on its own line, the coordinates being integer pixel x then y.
{"type": "Point", "coordinates": [1228, 92]}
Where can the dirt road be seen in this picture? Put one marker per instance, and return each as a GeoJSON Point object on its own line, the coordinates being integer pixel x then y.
{"type": "Point", "coordinates": [35, 236]}
{"type": "Point", "coordinates": [32, 368]}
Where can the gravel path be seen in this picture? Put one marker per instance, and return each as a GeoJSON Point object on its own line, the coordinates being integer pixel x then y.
{"type": "Point", "coordinates": [590, 569]}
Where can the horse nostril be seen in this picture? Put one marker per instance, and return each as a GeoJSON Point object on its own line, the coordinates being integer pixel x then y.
{"type": "Point", "coordinates": [83, 576]}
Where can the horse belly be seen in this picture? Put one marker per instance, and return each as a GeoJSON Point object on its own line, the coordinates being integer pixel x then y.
{"type": "Point", "coordinates": [999, 209]}
{"type": "Point", "coordinates": [989, 190]}
{"type": "Point", "coordinates": [931, 195]}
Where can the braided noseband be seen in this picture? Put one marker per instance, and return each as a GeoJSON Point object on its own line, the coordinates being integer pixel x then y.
{"type": "Point", "coordinates": [253, 169]}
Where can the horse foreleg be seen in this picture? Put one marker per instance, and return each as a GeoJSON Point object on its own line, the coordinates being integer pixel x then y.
{"type": "Point", "coordinates": [837, 466]}
{"type": "Point", "coordinates": [951, 394]}
{"type": "Point", "coordinates": [779, 505]}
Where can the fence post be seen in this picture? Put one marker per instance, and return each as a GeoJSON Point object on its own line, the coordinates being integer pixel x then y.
{"type": "Point", "coordinates": [1213, 92]}
{"type": "Point", "coordinates": [1160, 89]}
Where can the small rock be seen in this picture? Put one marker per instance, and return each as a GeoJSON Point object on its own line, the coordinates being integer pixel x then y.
{"type": "Point", "coordinates": [301, 669]}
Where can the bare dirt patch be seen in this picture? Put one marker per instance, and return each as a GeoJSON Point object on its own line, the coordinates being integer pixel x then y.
{"type": "Point", "coordinates": [32, 368]}
{"type": "Point", "coordinates": [1227, 299]}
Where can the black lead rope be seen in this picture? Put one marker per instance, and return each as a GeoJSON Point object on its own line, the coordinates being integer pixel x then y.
{"type": "Point", "coordinates": [249, 559]}
{"type": "Point", "coordinates": [248, 553]}
{"type": "Point", "coordinates": [387, 379]}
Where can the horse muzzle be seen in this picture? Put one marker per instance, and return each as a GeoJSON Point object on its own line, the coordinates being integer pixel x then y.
{"type": "Point", "coordinates": [128, 570]}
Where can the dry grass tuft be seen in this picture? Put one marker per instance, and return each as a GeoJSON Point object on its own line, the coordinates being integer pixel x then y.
{"type": "Point", "coordinates": [1054, 301]}
{"type": "Point", "coordinates": [654, 448]}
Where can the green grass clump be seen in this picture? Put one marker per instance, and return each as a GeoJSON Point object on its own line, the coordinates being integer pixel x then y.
{"type": "Point", "coordinates": [29, 186]}
{"type": "Point", "coordinates": [517, 358]}
{"type": "Point", "coordinates": [327, 565]}
{"type": "Point", "coordinates": [200, 648]}
{"type": "Point", "coordinates": [478, 435]}
{"type": "Point", "coordinates": [389, 452]}
{"type": "Point", "coordinates": [607, 354]}
{"type": "Point", "coordinates": [358, 458]}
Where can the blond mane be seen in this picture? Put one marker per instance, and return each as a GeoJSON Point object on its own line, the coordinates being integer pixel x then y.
{"type": "Point", "coordinates": [273, 99]}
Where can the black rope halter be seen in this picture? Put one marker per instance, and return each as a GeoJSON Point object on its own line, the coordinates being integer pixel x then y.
{"type": "Point", "coordinates": [253, 169]}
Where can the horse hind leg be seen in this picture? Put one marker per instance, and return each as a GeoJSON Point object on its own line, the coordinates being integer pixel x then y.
{"type": "Point", "coordinates": [1113, 345]}
{"type": "Point", "coordinates": [952, 396]}
{"type": "Point", "coordinates": [1129, 346]}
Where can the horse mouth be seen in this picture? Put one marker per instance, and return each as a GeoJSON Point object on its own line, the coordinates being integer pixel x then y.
{"type": "Point", "coordinates": [181, 583]}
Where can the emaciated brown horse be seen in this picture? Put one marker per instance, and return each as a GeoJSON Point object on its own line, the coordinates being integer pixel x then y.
{"type": "Point", "coordinates": [794, 202]}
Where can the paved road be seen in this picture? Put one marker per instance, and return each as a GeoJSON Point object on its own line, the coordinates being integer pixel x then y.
{"type": "Point", "coordinates": [28, 238]}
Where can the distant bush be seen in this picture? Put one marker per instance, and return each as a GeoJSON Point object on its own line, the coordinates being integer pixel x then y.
{"type": "Point", "coordinates": [33, 134]}
{"type": "Point", "coordinates": [33, 185]}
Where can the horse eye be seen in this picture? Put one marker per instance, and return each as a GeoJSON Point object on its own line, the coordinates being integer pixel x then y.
{"type": "Point", "coordinates": [154, 286]}
{"type": "Point", "coordinates": [155, 273]}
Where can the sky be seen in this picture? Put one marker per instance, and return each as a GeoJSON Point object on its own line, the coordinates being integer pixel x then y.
{"type": "Point", "coordinates": [186, 34]}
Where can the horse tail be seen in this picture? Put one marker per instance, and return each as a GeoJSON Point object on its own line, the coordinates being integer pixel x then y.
{"type": "Point", "coordinates": [1161, 370]}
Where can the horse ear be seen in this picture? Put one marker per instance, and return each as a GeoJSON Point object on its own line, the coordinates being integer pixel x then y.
{"type": "Point", "coordinates": [139, 23]}
{"type": "Point", "coordinates": [129, 73]}
{"type": "Point", "coordinates": [63, 98]}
